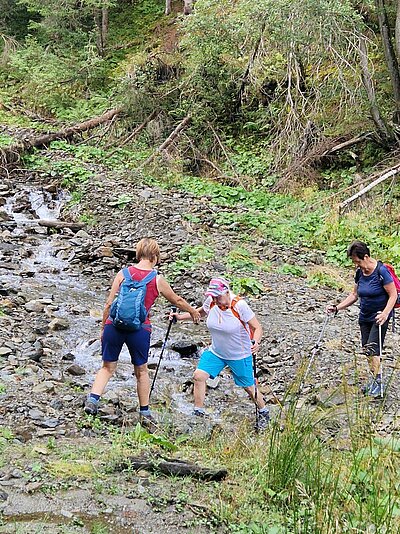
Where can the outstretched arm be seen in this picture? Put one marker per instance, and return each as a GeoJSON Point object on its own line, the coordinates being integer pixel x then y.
{"type": "Point", "coordinates": [166, 291]}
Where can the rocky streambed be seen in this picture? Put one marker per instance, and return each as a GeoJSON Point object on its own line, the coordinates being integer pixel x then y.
{"type": "Point", "coordinates": [53, 285]}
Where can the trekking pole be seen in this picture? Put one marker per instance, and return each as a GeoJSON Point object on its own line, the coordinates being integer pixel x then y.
{"type": "Point", "coordinates": [171, 321]}
{"type": "Point", "coordinates": [381, 358]}
{"type": "Point", "coordinates": [314, 351]}
{"type": "Point", "coordinates": [255, 387]}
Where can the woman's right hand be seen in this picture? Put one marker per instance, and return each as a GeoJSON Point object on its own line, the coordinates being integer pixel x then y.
{"type": "Point", "coordinates": [195, 315]}
{"type": "Point", "coordinates": [331, 308]}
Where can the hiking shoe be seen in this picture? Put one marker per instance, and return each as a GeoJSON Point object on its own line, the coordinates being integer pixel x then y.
{"type": "Point", "coordinates": [263, 421]}
{"type": "Point", "coordinates": [91, 407]}
{"type": "Point", "coordinates": [366, 387]}
{"type": "Point", "coordinates": [377, 390]}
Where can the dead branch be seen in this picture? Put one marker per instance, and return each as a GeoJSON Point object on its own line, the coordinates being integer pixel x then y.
{"type": "Point", "coordinates": [58, 225]}
{"type": "Point", "coordinates": [348, 143]}
{"type": "Point", "coordinates": [387, 174]}
{"type": "Point", "coordinates": [12, 153]}
{"type": "Point", "coordinates": [174, 467]}
{"type": "Point", "coordinates": [181, 126]}
{"type": "Point", "coordinates": [136, 131]}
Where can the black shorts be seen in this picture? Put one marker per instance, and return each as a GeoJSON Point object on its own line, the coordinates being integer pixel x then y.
{"type": "Point", "coordinates": [370, 337]}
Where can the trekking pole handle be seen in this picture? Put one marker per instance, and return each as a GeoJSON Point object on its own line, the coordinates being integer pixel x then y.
{"type": "Point", "coordinates": [173, 310]}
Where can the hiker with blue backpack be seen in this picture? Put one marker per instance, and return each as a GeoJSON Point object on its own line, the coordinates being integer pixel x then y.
{"type": "Point", "coordinates": [235, 340]}
{"type": "Point", "coordinates": [126, 321]}
{"type": "Point", "coordinates": [376, 289]}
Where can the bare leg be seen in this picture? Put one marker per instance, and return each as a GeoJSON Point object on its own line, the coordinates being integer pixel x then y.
{"type": "Point", "coordinates": [143, 383]}
{"type": "Point", "coordinates": [199, 392]}
{"type": "Point", "coordinates": [102, 377]}
{"type": "Point", "coordinates": [250, 390]}
{"type": "Point", "coordinates": [375, 365]}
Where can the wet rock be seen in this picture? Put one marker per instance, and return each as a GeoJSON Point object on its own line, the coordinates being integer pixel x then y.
{"type": "Point", "coordinates": [3, 495]}
{"type": "Point", "coordinates": [58, 323]}
{"type": "Point", "coordinates": [44, 387]}
{"type": "Point", "coordinates": [76, 370]}
{"type": "Point", "coordinates": [104, 252]}
{"type": "Point", "coordinates": [34, 306]}
{"type": "Point", "coordinates": [4, 216]}
{"type": "Point", "coordinates": [49, 423]}
{"type": "Point", "coordinates": [184, 349]}
{"type": "Point", "coordinates": [36, 415]}
{"type": "Point", "coordinates": [69, 357]}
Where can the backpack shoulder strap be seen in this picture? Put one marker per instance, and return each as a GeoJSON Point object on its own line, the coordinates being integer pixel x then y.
{"type": "Point", "coordinates": [380, 264]}
{"type": "Point", "coordinates": [148, 278]}
{"type": "Point", "coordinates": [237, 314]}
{"type": "Point", "coordinates": [127, 274]}
{"type": "Point", "coordinates": [357, 275]}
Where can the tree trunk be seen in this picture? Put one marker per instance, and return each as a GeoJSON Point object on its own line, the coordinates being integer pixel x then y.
{"type": "Point", "coordinates": [12, 153]}
{"type": "Point", "coordinates": [382, 128]}
{"type": "Point", "coordinates": [187, 7]}
{"type": "Point", "coordinates": [168, 6]}
{"type": "Point", "coordinates": [390, 56]}
{"type": "Point", "coordinates": [101, 18]}
{"type": "Point", "coordinates": [397, 30]}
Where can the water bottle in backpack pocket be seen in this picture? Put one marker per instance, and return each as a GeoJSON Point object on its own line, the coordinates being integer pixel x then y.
{"type": "Point", "coordinates": [128, 311]}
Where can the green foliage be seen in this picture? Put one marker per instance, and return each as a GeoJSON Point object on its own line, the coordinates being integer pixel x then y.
{"type": "Point", "coordinates": [190, 257]}
{"type": "Point", "coordinates": [5, 140]}
{"type": "Point", "coordinates": [246, 285]}
{"type": "Point", "coordinates": [321, 279]}
{"type": "Point", "coordinates": [3, 389]}
{"type": "Point", "coordinates": [293, 270]}
{"type": "Point", "coordinates": [121, 202]}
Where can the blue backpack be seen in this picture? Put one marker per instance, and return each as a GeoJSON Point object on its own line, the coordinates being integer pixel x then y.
{"type": "Point", "coordinates": [128, 311]}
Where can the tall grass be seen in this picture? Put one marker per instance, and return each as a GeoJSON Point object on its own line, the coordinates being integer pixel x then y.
{"type": "Point", "coordinates": [299, 478]}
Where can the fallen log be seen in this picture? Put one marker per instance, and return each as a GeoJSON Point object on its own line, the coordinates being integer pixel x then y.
{"type": "Point", "coordinates": [58, 225]}
{"type": "Point", "coordinates": [11, 154]}
{"type": "Point", "coordinates": [181, 126]}
{"type": "Point", "coordinates": [173, 467]}
{"type": "Point", "coordinates": [385, 176]}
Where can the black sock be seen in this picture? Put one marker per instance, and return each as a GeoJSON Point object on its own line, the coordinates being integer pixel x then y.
{"type": "Point", "coordinates": [94, 397]}
{"type": "Point", "coordinates": [144, 408]}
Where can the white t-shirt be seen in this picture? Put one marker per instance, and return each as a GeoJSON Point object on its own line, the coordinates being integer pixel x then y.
{"type": "Point", "coordinates": [230, 340]}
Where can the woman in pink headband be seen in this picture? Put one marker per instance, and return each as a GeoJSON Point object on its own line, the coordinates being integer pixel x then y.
{"type": "Point", "coordinates": [235, 334]}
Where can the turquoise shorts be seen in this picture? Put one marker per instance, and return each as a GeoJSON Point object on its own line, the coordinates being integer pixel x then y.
{"type": "Point", "coordinates": [242, 370]}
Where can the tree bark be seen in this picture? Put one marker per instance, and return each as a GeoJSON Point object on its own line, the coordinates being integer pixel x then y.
{"type": "Point", "coordinates": [382, 128]}
{"type": "Point", "coordinates": [101, 18]}
{"type": "Point", "coordinates": [12, 153]}
{"type": "Point", "coordinates": [397, 30]}
{"type": "Point", "coordinates": [168, 6]}
{"type": "Point", "coordinates": [390, 56]}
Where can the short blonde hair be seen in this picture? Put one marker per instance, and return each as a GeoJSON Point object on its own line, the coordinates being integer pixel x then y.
{"type": "Point", "coordinates": [148, 249]}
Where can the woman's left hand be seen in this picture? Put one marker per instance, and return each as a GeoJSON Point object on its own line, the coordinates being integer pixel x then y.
{"type": "Point", "coordinates": [381, 318]}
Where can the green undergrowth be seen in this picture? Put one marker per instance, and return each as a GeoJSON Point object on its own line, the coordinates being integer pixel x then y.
{"type": "Point", "coordinates": [310, 219]}
{"type": "Point", "coordinates": [298, 477]}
